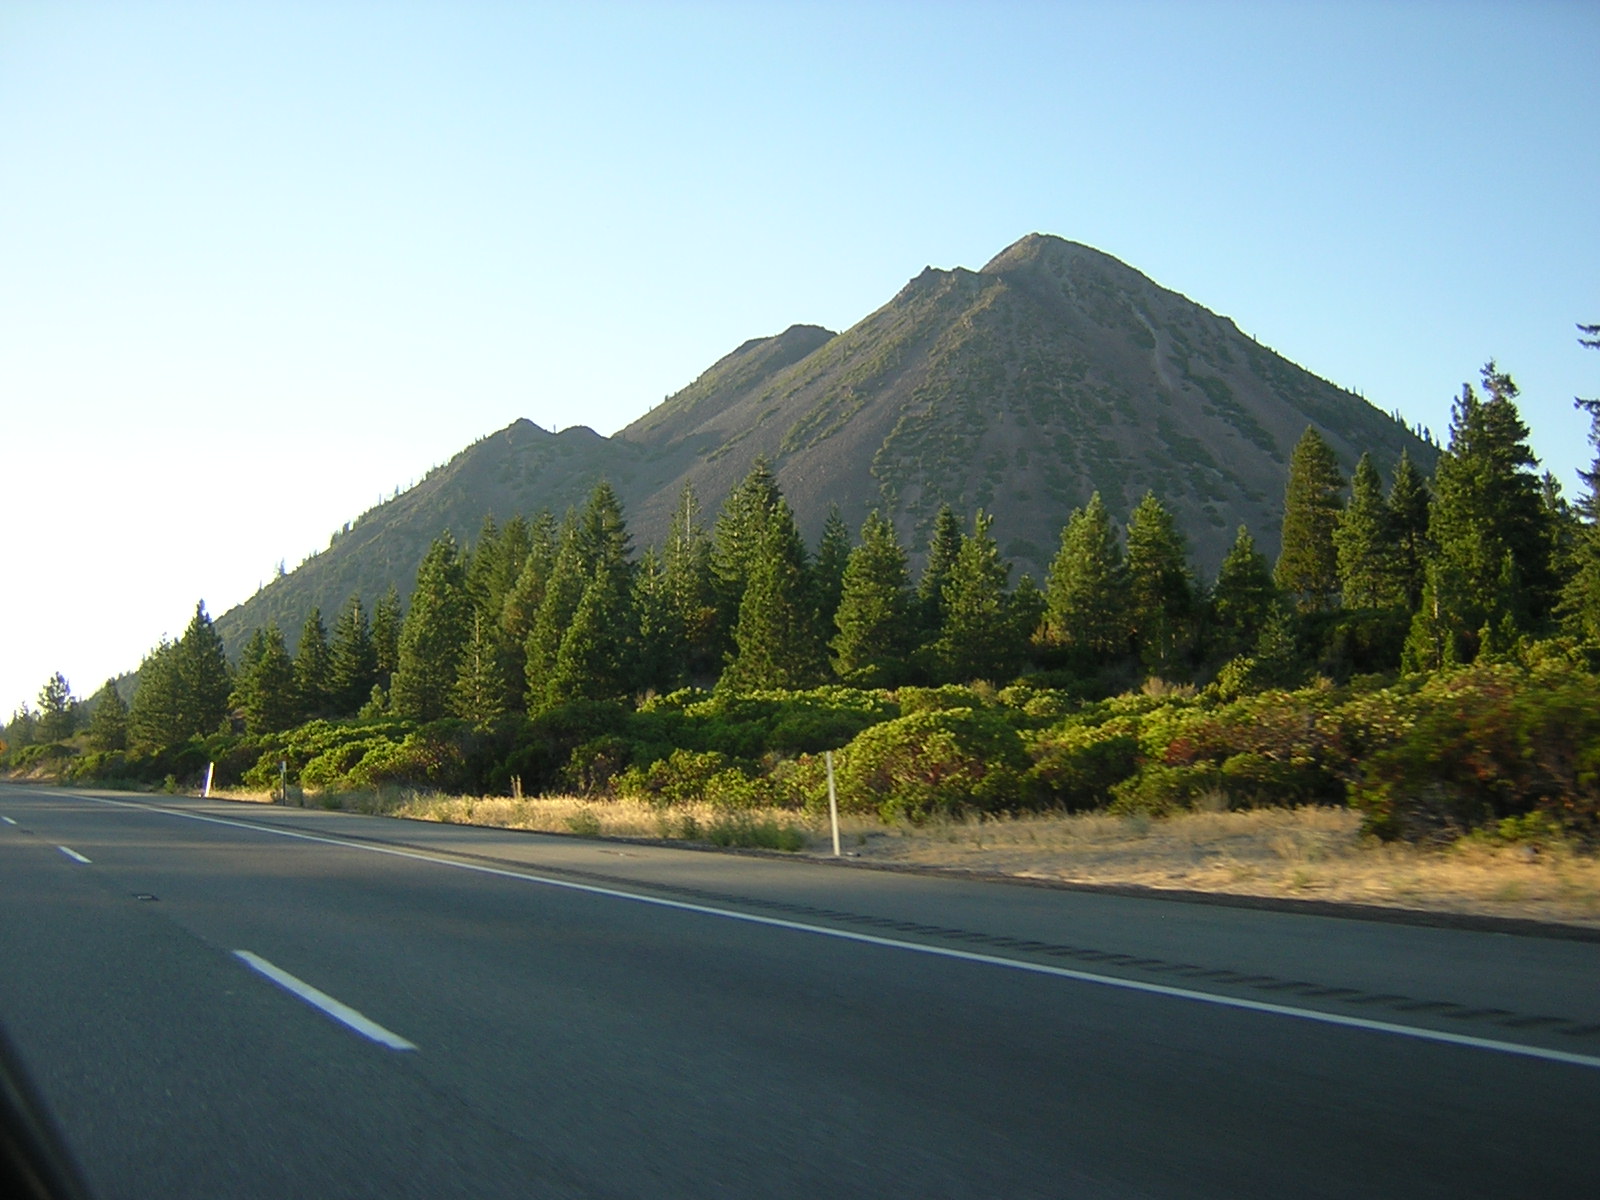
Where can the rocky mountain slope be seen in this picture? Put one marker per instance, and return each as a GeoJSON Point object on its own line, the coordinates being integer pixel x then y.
{"type": "Point", "coordinates": [1053, 372]}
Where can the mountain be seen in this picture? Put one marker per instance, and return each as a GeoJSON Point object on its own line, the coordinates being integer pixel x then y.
{"type": "Point", "coordinates": [1053, 372]}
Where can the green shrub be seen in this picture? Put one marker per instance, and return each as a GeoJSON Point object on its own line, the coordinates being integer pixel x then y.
{"type": "Point", "coordinates": [681, 778]}
{"type": "Point", "coordinates": [1075, 766]}
{"type": "Point", "coordinates": [942, 761]}
{"type": "Point", "coordinates": [1484, 744]}
{"type": "Point", "coordinates": [937, 699]}
{"type": "Point", "coordinates": [592, 767]}
{"type": "Point", "coordinates": [1159, 790]}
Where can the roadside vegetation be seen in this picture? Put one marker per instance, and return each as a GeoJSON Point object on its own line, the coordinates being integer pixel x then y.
{"type": "Point", "coordinates": [1420, 666]}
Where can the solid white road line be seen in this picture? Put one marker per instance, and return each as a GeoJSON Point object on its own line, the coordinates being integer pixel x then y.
{"type": "Point", "coordinates": [342, 1013]}
{"type": "Point", "coordinates": [993, 960]}
{"type": "Point", "coordinates": [72, 854]}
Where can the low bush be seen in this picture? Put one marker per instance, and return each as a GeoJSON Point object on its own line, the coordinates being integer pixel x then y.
{"type": "Point", "coordinates": [933, 762]}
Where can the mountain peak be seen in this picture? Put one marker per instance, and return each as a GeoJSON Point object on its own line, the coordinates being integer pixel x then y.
{"type": "Point", "coordinates": [1054, 372]}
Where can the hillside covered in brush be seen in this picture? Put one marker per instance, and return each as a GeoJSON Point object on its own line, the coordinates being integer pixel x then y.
{"type": "Point", "coordinates": [1052, 373]}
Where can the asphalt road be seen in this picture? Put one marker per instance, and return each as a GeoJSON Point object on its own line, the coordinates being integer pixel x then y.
{"type": "Point", "coordinates": [526, 1016]}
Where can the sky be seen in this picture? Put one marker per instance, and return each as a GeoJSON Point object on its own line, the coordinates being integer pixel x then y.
{"type": "Point", "coordinates": [261, 264]}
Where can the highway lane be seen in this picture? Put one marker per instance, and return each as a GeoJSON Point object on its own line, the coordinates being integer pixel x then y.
{"type": "Point", "coordinates": [574, 1042]}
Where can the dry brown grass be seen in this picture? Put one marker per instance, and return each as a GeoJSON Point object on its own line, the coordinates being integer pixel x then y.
{"type": "Point", "coordinates": [1301, 852]}
{"type": "Point", "coordinates": [1304, 852]}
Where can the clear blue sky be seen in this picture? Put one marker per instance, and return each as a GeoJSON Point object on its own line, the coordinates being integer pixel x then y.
{"type": "Point", "coordinates": [261, 263]}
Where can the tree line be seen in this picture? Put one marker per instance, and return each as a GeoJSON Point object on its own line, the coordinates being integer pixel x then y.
{"type": "Point", "coordinates": [1413, 575]}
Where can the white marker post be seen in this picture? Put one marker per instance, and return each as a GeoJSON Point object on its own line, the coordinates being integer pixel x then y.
{"type": "Point", "coordinates": [833, 802]}
{"type": "Point", "coordinates": [205, 792]}
{"type": "Point", "coordinates": [283, 781]}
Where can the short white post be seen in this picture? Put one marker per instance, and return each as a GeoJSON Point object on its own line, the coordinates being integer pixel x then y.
{"type": "Point", "coordinates": [283, 781]}
{"type": "Point", "coordinates": [833, 802]}
{"type": "Point", "coordinates": [211, 768]}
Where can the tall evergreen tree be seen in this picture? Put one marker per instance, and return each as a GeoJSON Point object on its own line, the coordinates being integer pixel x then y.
{"type": "Point", "coordinates": [690, 582]}
{"type": "Point", "coordinates": [353, 660]}
{"type": "Point", "coordinates": [155, 716]}
{"type": "Point", "coordinates": [1363, 540]}
{"type": "Point", "coordinates": [516, 543]}
{"type": "Point", "coordinates": [944, 543]}
{"type": "Point", "coordinates": [264, 687]}
{"type": "Point", "coordinates": [740, 533]}
{"type": "Point", "coordinates": [1579, 608]}
{"type": "Point", "coordinates": [775, 638]}
{"type": "Point", "coordinates": [1161, 592]}
{"type": "Point", "coordinates": [204, 676]}
{"type": "Point", "coordinates": [1086, 590]}
{"type": "Point", "coordinates": [598, 653]}
{"type": "Point", "coordinates": [1491, 575]}
{"type": "Point", "coordinates": [563, 589]}
{"type": "Point", "coordinates": [57, 710]}
{"type": "Point", "coordinates": [22, 730]}
{"type": "Point", "coordinates": [982, 636]}
{"type": "Point", "coordinates": [662, 645]}
{"type": "Point", "coordinates": [827, 568]}
{"type": "Point", "coordinates": [1242, 597]}
{"type": "Point", "coordinates": [875, 634]}
{"type": "Point", "coordinates": [313, 668]}
{"type": "Point", "coordinates": [1408, 504]}
{"type": "Point", "coordinates": [1308, 564]}
{"type": "Point", "coordinates": [386, 621]}
{"type": "Point", "coordinates": [433, 636]}
{"type": "Point", "coordinates": [108, 724]}
{"type": "Point", "coordinates": [520, 609]}
{"type": "Point", "coordinates": [480, 692]}
{"type": "Point", "coordinates": [481, 565]}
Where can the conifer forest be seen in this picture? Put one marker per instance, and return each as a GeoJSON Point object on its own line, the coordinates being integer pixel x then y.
{"type": "Point", "coordinates": [1426, 650]}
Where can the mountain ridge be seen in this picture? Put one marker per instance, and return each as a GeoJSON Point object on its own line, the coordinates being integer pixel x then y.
{"type": "Point", "coordinates": [1053, 371]}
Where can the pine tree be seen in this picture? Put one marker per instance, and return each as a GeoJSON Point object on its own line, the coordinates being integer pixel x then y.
{"type": "Point", "coordinates": [108, 724]}
{"type": "Point", "coordinates": [1408, 505]}
{"type": "Point", "coordinates": [827, 568]}
{"type": "Point", "coordinates": [980, 638]}
{"type": "Point", "coordinates": [1086, 590]}
{"type": "Point", "coordinates": [691, 589]}
{"type": "Point", "coordinates": [1161, 592]}
{"type": "Point", "coordinates": [662, 648]}
{"type": "Point", "coordinates": [481, 565]}
{"type": "Point", "coordinates": [479, 694]}
{"type": "Point", "coordinates": [1243, 596]}
{"type": "Point", "coordinates": [1308, 565]}
{"type": "Point", "coordinates": [313, 668]}
{"type": "Point", "coordinates": [57, 710]}
{"type": "Point", "coordinates": [264, 687]}
{"type": "Point", "coordinates": [563, 589]}
{"type": "Point", "coordinates": [204, 678]}
{"type": "Point", "coordinates": [740, 533]}
{"type": "Point", "coordinates": [597, 658]}
{"type": "Point", "coordinates": [155, 716]}
{"type": "Point", "coordinates": [944, 543]}
{"type": "Point", "coordinates": [775, 638]}
{"type": "Point", "coordinates": [875, 635]}
{"type": "Point", "coordinates": [516, 543]}
{"type": "Point", "coordinates": [433, 636]}
{"type": "Point", "coordinates": [1363, 540]}
{"type": "Point", "coordinates": [520, 609]}
{"type": "Point", "coordinates": [22, 730]}
{"type": "Point", "coordinates": [1579, 608]}
{"type": "Point", "coordinates": [386, 621]}
{"type": "Point", "coordinates": [353, 663]}
{"type": "Point", "coordinates": [1491, 575]}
